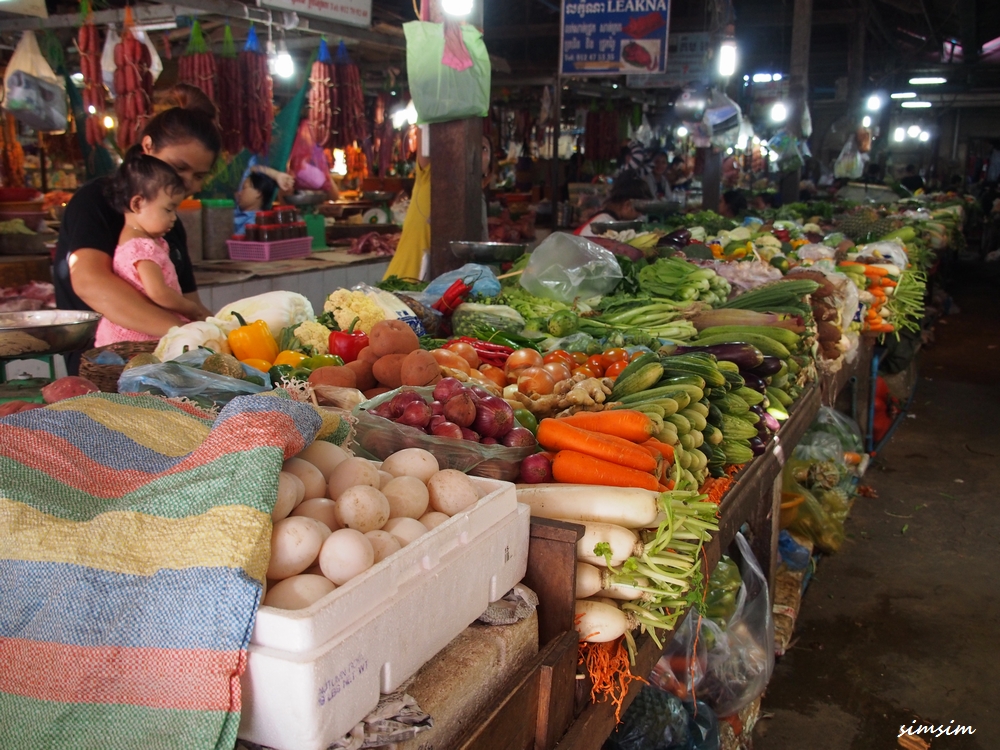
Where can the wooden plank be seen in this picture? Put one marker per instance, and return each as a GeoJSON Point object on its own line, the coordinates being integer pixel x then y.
{"type": "Point", "coordinates": [552, 574]}
{"type": "Point", "coordinates": [557, 687]}
{"type": "Point", "coordinates": [511, 726]}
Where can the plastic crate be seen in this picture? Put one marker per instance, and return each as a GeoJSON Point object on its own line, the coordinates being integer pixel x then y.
{"type": "Point", "coordinates": [300, 247]}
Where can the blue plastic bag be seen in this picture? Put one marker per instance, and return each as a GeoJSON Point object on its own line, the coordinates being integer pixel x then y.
{"type": "Point", "coordinates": [180, 377]}
{"type": "Point", "coordinates": [481, 278]}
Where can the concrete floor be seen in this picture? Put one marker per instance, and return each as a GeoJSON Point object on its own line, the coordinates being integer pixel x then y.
{"type": "Point", "coordinates": [903, 623]}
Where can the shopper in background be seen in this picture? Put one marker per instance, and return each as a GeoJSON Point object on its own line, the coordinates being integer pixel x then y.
{"type": "Point", "coordinates": [147, 192]}
{"type": "Point", "coordinates": [184, 136]}
{"type": "Point", "coordinates": [656, 177]}
{"type": "Point", "coordinates": [679, 175]}
{"type": "Point", "coordinates": [733, 204]}
{"type": "Point", "coordinates": [911, 180]}
{"type": "Point", "coordinates": [618, 206]}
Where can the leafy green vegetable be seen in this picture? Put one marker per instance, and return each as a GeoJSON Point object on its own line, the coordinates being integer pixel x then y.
{"type": "Point", "coordinates": [397, 284]}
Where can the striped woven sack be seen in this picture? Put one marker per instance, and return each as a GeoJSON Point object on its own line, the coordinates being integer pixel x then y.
{"type": "Point", "coordinates": [134, 540]}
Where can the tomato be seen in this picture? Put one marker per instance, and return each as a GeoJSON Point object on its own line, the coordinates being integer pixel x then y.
{"type": "Point", "coordinates": [495, 374]}
{"type": "Point", "coordinates": [615, 369]}
{"type": "Point", "coordinates": [579, 357]}
{"type": "Point", "coordinates": [596, 363]}
{"type": "Point", "coordinates": [636, 355]}
{"type": "Point", "coordinates": [534, 381]}
{"type": "Point", "coordinates": [558, 370]}
{"type": "Point", "coordinates": [614, 355]}
{"type": "Point", "coordinates": [584, 370]}
{"type": "Point", "coordinates": [466, 352]}
{"type": "Point", "coordinates": [559, 355]}
{"type": "Point", "coordinates": [524, 358]}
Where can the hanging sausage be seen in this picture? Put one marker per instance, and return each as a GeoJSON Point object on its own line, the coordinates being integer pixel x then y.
{"type": "Point", "coordinates": [351, 122]}
{"type": "Point", "coordinates": [133, 85]}
{"type": "Point", "coordinates": [257, 110]}
{"type": "Point", "coordinates": [197, 65]}
{"type": "Point", "coordinates": [227, 89]}
{"type": "Point", "coordinates": [88, 42]}
{"type": "Point", "coordinates": [321, 104]}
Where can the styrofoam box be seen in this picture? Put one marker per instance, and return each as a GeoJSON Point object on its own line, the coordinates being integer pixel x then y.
{"type": "Point", "coordinates": [312, 674]}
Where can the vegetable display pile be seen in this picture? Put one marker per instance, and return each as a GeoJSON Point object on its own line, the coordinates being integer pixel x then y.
{"type": "Point", "coordinates": [89, 43]}
{"type": "Point", "coordinates": [133, 88]}
{"type": "Point", "coordinates": [257, 100]}
{"type": "Point", "coordinates": [322, 96]}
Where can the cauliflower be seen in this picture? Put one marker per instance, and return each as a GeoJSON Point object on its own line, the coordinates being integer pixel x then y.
{"type": "Point", "coordinates": [811, 227]}
{"type": "Point", "coordinates": [278, 309]}
{"type": "Point", "coordinates": [767, 239]}
{"type": "Point", "coordinates": [347, 305]}
{"type": "Point", "coordinates": [211, 333]}
{"type": "Point", "coordinates": [314, 335]}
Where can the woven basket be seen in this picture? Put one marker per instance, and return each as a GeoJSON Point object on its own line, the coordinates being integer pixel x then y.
{"type": "Point", "coordinates": [106, 377]}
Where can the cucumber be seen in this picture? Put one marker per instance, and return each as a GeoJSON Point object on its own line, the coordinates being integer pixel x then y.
{"type": "Point", "coordinates": [699, 406]}
{"type": "Point", "coordinates": [697, 421]}
{"type": "Point", "coordinates": [685, 379]}
{"type": "Point", "coordinates": [687, 441]}
{"type": "Point", "coordinates": [776, 395]}
{"type": "Point", "coordinates": [768, 346]}
{"type": "Point", "coordinates": [699, 438]}
{"type": "Point", "coordinates": [681, 422]}
{"type": "Point", "coordinates": [789, 339]}
{"type": "Point", "coordinates": [640, 375]}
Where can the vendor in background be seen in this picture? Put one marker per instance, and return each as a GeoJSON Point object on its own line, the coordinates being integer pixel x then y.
{"type": "Point", "coordinates": [257, 192]}
{"type": "Point", "coordinates": [618, 206]}
{"type": "Point", "coordinates": [733, 204]}
{"type": "Point", "coordinates": [679, 176]}
{"type": "Point", "coordinates": [912, 181]}
{"type": "Point", "coordinates": [186, 137]}
{"type": "Point", "coordinates": [656, 177]}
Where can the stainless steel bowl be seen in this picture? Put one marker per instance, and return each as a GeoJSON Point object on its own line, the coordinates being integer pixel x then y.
{"type": "Point", "coordinates": [310, 198]}
{"type": "Point", "coordinates": [377, 196]}
{"type": "Point", "coordinates": [46, 332]}
{"type": "Point", "coordinates": [488, 252]}
{"type": "Point", "coordinates": [600, 227]}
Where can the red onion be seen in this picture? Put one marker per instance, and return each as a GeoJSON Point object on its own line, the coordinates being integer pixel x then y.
{"type": "Point", "coordinates": [437, 407]}
{"type": "Point", "coordinates": [435, 421]}
{"type": "Point", "coordinates": [460, 409]}
{"type": "Point", "coordinates": [494, 417]}
{"type": "Point", "coordinates": [488, 441]}
{"type": "Point", "coordinates": [469, 435]}
{"type": "Point", "coordinates": [519, 437]}
{"type": "Point", "coordinates": [416, 414]}
{"type": "Point", "coordinates": [536, 469]}
{"type": "Point", "coordinates": [397, 403]}
{"type": "Point", "coordinates": [479, 391]}
{"type": "Point", "coordinates": [446, 388]}
{"type": "Point", "coordinates": [448, 430]}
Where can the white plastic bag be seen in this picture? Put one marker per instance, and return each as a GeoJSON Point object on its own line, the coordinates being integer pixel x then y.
{"type": "Point", "coordinates": [108, 59]}
{"type": "Point", "coordinates": [851, 162]}
{"type": "Point", "coordinates": [34, 94]}
{"type": "Point", "coordinates": [565, 267]}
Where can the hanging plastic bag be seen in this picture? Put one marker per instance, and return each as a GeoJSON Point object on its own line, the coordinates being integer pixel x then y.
{"type": "Point", "coordinates": [441, 93]}
{"type": "Point", "coordinates": [850, 165]}
{"type": "Point", "coordinates": [565, 267]}
{"type": "Point", "coordinates": [470, 316]}
{"type": "Point", "coordinates": [727, 667]}
{"type": "Point", "coordinates": [181, 377]}
{"type": "Point", "coordinates": [108, 59]}
{"type": "Point", "coordinates": [34, 94]}
{"type": "Point", "coordinates": [658, 720]}
{"type": "Point", "coordinates": [841, 426]}
{"type": "Point", "coordinates": [813, 521]}
{"type": "Point", "coordinates": [481, 278]}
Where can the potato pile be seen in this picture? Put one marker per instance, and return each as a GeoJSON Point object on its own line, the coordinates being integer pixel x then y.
{"type": "Point", "coordinates": [338, 515]}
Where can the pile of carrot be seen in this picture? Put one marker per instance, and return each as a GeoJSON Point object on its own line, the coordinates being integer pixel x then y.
{"type": "Point", "coordinates": [878, 284]}
{"type": "Point", "coordinates": [715, 488]}
{"type": "Point", "coordinates": [611, 448]}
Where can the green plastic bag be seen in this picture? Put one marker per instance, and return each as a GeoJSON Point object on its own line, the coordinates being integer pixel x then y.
{"type": "Point", "coordinates": [441, 93]}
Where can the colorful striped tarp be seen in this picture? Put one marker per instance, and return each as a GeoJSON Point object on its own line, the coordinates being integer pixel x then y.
{"type": "Point", "coordinates": [134, 539]}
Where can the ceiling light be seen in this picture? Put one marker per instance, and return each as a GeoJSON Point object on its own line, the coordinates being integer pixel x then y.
{"type": "Point", "coordinates": [774, 156]}
{"type": "Point", "coordinates": [779, 112]}
{"type": "Point", "coordinates": [284, 65]}
{"type": "Point", "coordinates": [727, 58]}
{"type": "Point", "coordinates": [741, 142]}
{"type": "Point", "coordinates": [614, 85]}
{"type": "Point", "coordinates": [928, 81]}
{"type": "Point", "coordinates": [903, 95]}
{"type": "Point", "coordinates": [899, 135]}
{"type": "Point", "coordinates": [404, 116]}
{"type": "Point", "coordinates": [776, 77]}
{"type": "Point", "coordinates": [682, 132]}
{"type": "Point", "coordinates": [866, 122]}
{"type": "Point", "coordinates": [77, 77]}
{"type": "Point", "coordinates": [756, 141]}
{"type": "Point", "coordinates": [913, 131]}
{"type": "Point", "coordinates": [916, 105]}
{"type": "Point", "coordinates": [155, 26]}
{"type": "Point", "coordinates": [874, 103]}
{"type": "Point", "coordinates": [92, 109]}
{"type": "Point", "coordinates": [762, 78]}
{"type": "Point", "coordinates": [109, 122]}
{"type": "Point", "coordinates": [729, 150]}
{"type": "Point", "coordinates": [925, 136]}
{"type": "Point", "coordinates": [745, 78]}
{"type": "Point", "coordinates": [458, 8]}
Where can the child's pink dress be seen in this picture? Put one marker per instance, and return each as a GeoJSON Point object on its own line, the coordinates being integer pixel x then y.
{"type": "Point", "coordinates": [126, 256]}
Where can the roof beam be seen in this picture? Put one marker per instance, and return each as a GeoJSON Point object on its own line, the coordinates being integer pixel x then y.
{"type": "Point", "coordinates": [142, 14]}
{"type": "Point", "coordinates": [842, 17]}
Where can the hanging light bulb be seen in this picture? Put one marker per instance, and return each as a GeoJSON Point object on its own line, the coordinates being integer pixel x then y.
{"type": "Point", "coordinates": [899, 135]}
{"type": "Point", "coordinates": [284, 65]}
{"type": "Point", "coordinates": [109, 122]}
{"type": "Point", "coordinates": [457, 8]}
{"type": "Point", "coordinates": [866, 122]}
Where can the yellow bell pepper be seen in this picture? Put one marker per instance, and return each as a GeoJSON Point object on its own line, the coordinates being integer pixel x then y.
{"type": "Point", "coordinates": [253, 341]}
{"type": "Point", "coordinates": [258, 364]}
{"type": "Point", "coordinates": [289, 357]}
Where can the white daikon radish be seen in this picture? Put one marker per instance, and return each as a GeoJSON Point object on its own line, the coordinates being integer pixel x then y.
{"type": "Point", "coordinates": [351, 473]}
{"type": "Point", "coordinates": [597, 622]}
{"type": "Point", "coordinates": [624, 543]}
{"type": "Point", "coordinates": [290, 494]}
{"type": "Point", "coordinates": [625, 591]}
{"type": "Point", "coordinates": [346, 553]}
{"type": "Point", "coordinates": [406, 530]}
{"type": "Point", "coordinates": [433, 519]}
{"type": "Point", "coordinates": [412, 462]}
{"type": "Point", "coordinates": [295, 543]}
{"type": "Point", "coordinates": [408, 497]}
{"type": "Point", "coordinates": [362, 508]}
{"type": "Point", "coordinates": [383, 543]}
{"type": "Point", "coordinates": [630, 507]}
{"type": "Point", "coordinates": [298, 592]}
{"type": "Point", "coordinates": [591, 581]}
{"type": "Point", "coordinates": [588, 580]}
{"type": "Point", "coordinates": [311, 477]}
{"type": "Point", "coordinates": [320, 508]}
{"type": "Point", "coordinates": [324, 456]}
{"type": "Point", "coordinates": [451, 492]}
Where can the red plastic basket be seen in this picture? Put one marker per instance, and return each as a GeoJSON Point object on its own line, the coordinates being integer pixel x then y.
{"type": "Point", "coordinates": [300, 247]}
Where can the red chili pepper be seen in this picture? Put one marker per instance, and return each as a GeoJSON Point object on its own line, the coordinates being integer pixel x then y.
{"type": "Point", "coordinates": [347, 344]}
{"type": "Point", "coordinates": [452, 297]}
{"type": "Point", "coordinates": [486, 346]}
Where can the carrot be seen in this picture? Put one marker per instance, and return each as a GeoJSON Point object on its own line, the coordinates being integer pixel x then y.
{"type": "Point", "coordinates": [555, 434]}
{"type": "Point", "coordinates": [579, 468]}
{"type": "Point", "coordinates": [667, 451]}
{"type": "Point", "coordinates": [849, 263]}
{"type": "Point", "coordinates": [624, 423]}
{"type": "Point", "coordinates": [887, 282]}
{"type": "Point", "coordinates": [873, 271]}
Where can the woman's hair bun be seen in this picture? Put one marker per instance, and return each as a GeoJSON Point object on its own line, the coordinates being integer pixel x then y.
{"type": "Point", "coordinates": [190, 97]}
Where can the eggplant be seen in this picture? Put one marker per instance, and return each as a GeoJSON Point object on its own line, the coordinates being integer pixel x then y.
{"type": "Point", "coordinates": [754, 383]}
{"type": "Point", "coordinates": [770, 366]}
{"type": "Point", "coordinates": [744, 356]}
{"type": "Point", "coordinates": [772, 424]}
{"type": "Point", "coordinates": [757, 446]}
{"type": "Point", "coordinates": [677, 238]}
{"type": "Point", "coordinates": [758, 409]}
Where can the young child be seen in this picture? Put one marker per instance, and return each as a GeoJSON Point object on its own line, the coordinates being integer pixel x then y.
{"type": "Point", "coordinates": [147, 191]}
{"type": "Point", "coordinates": [255, 194]}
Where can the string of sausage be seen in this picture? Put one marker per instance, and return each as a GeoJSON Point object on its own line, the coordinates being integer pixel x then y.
{"type": "Point", "coordinates": [133, 89]}
{"type": "Point", "coordinates": [321, 106]}
{"type": "Point", "coordinates": [199, 69]}
{"type": "Point", "coordinates": [228, 90]}
{"type": "Point", "coordinates": [352, 125]}
{"type": "Point", "coordinates": [257, 109]}
{"type": "Point", "coordinates": [89, 44]}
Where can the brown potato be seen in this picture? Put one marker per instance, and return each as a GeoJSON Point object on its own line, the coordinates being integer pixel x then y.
{"type": "Point", "coordinates": [375, 392]}
{"type": "Point", "coordinates": [388, 369]}
{"type": "Point", "coordinates": [362, 374]}
{"type": "Point", "coordinates": [392, 337]}
{"type": "Point", "coordinates": [367, 355]}
{"type": "Point", "coordinates": [419, 368]}
{"type": "Point", "coordinates": [341, 377]}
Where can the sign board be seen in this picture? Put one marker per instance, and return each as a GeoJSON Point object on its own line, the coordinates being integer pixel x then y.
{"type": "Point", "coordinates": [687, 61]}
{"type": "Point", "coordinates": [612, 37]}
{"type": "Point", "coordinates": [354, 12]}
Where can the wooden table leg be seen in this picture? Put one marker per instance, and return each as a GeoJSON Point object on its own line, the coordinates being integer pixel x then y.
{"type": "Point", "coordinates": [552, 575]}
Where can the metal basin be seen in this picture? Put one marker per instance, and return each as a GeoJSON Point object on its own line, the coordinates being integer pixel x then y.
{"type": "Point", "coordinates": [488, 252]}
{"type": "Point", "coordinates": [307, 198]}
{"type": "Point", "coordinates": [600, 227]}
{"type": "Point", "coordinates": [46, 332]}
{"type": "Point", "coordinates": [377, 196]}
